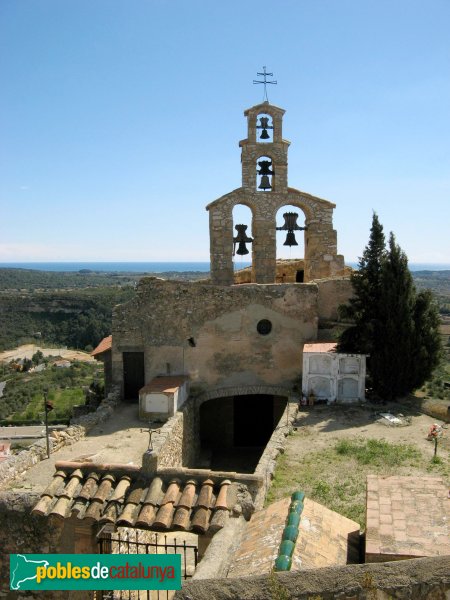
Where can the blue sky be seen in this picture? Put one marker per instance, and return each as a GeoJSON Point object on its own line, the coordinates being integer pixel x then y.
{"type": "Point", "coordinates": [120, 120]}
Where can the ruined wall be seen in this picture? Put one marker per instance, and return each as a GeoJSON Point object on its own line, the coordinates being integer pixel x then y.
{"type": "Point", "coordinates": [222, 321]}
{"type": "Point", "coordinates": [332, 293]}
{"type": "Point", "coordinates": [286, 271]}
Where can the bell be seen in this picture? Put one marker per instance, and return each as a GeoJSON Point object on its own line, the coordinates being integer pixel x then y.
{"type": "Point", "coordinates": [242, 238]}
{"type": "Point", "coordinates": [242, 249]}
{"type": "Point", "coordinates": [264, 135]}
{"type": "Point", "coordinates": [290, 239]}
{"type": "Point", "coordinates": [265, 183]}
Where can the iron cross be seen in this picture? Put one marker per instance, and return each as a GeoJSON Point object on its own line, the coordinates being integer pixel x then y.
{"type": "Point", "coordinates": [265, 82]}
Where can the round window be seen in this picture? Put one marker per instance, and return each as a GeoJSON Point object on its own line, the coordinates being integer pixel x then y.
{"type": "Point", "coordinates": [264, 327]}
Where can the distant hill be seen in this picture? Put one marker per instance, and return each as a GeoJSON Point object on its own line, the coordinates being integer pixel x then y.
{"type": "Point", "coordinates": [74, 308]}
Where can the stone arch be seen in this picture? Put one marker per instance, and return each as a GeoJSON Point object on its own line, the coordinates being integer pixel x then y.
{"type": "Point", "coordinates": [286, 247]}
{"type": "Point", "coordinates": [243, 390]}
{"type": "Point", "coordinates": [306, 209]}
{"type": "Point", "coordinates": [243, 214]}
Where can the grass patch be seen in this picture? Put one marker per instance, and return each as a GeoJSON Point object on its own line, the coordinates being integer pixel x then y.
{"type": "Point", "coordinates": [336, 476]}
{"type": "Point", "coordinates": [377, 452]}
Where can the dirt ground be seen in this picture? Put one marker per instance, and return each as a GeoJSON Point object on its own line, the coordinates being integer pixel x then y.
{"type": "Point", "coordinates": [27, 351]}
{"type": "Point", "coordinates": [121, 439]}
{"type": "Point", "coordinates": [315, 462]}
{"type": "Point", "coordinates": [321, 426]}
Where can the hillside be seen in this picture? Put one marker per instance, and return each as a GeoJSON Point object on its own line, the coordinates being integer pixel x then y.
{"type": "Point", "coordinates": [64, 308]}
{"type": "Point", "coordinates": [74, 309]}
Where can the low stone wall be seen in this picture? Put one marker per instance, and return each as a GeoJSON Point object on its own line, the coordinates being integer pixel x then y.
{"type": "Point", "coordinates": [17, 464]}
{"type": "Point", "coordinates": [176, 444]}
{"type": "Point", "coordinates": [21, 533]}
{"type": "Point", "coordinates": [276, 444]}
{"type": "Point", "coordinates": [418, 579]}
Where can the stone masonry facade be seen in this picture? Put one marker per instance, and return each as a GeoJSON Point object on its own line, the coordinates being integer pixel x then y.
{"type": "Point", "coordinates": [222, 323]}
{"type": "Point", "coordinates": [321, 258]}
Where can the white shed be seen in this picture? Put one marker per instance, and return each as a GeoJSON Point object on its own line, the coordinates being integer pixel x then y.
{"type": "Point", "coordinates": [162, 397]}
{"type": "Point", "coordinates": [333, 376]}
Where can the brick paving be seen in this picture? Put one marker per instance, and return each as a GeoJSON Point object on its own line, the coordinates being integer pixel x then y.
{"type": "Point", "coordinates": [407, 517]}
{"type": "Point", "coordinates": [325, 539]}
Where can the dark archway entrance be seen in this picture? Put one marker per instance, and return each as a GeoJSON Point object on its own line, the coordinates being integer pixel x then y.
{"type": "Point", "coordinates": [234, 430]}
{"type": "Point", "coordinates": [133, 375]}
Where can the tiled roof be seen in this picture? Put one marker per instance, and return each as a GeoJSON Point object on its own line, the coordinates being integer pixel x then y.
{"type": "Point", "coordinates": [320, 347]}
{"type": "Point", "coordinates": [407, 517]}
{"type": "Point", "coordinates": [164, 384]}
{"type": "Point", "coordinates": [124, 496]}
{"type": "Point", "coordinates": [104, 346]}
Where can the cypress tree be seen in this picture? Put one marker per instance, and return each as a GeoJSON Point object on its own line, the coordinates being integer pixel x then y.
{"type": "Point", "coordinates": [395, 326]}
{"type": "Point", "coordinates": [427, 347]}
{"type": "Point", "coordinates": [391, 364]}
{"type": "Point", "coordinates": [362, 309]}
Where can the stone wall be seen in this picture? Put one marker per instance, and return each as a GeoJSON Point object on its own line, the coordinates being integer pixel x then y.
{"type": "Point", "coordinates": [419, 579]}
{"type": "Point", "coordinates": [176, 443]}
{"type": "Point", "coordinates": [332, 293]}
{"type": "Point", "coordinates": [321, 258]}
{"type": "Point", "coordinates": [22, 533]}
{"type": "Point", "coordinates": [222, 322]}
{"type": "Point", "coordinates": [17, 464]}
{"type": "Point", "coordinates": [267, 463]}
{"type": "Point", "coordinates": [286, 272]}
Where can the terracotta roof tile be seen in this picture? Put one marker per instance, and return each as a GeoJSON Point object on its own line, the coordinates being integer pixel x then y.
{"type": "Point", "coordinates": [104, 346]}
{"type": "Point", "coordinates": [320, 347]}
{"type": "Point", "coordinates": [146, 516]}
{"type": "Point", "coordinates": [164, 384]}
{"type": "Point", "coordinates": [123, 495]}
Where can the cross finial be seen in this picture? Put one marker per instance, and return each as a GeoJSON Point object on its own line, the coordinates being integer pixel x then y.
{"type": "Point", "coordinates": [265, 82]}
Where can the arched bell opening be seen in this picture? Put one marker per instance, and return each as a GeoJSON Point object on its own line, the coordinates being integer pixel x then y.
{"type": "Point", "coordinates": [265, 174]}
{"type": "Point", "coordinates": [234, 430]}
{"type": "Point", "coordinates": [264, 128]}
{"type": "Point", "coordinates": [242, 239]}
{"type": "Point", "coordinates": [290, 238]}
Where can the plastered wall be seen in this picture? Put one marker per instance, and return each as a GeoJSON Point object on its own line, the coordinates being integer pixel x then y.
{"type": "Point", "coordinates": [222, 321]}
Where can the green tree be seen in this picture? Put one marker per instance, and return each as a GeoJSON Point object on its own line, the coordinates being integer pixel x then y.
{"type": "Point", "coordinates": [391, 363]}
{"type": "Point", "coordinates": [395, 326]}
{"type": "Point", "coordinates": [363, 307]}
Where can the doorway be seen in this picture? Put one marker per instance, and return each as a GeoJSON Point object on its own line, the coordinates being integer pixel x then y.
{"type": "Point", "coordinates": [133, 375]}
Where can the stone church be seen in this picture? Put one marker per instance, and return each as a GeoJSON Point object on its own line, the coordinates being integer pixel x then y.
{"type": "Point", "coordinates": [240, 335]}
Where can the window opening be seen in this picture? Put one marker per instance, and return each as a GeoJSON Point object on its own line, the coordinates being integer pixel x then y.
{"type": "Point", "coordinates": [265, 173]}
{"type": "Point", "coordinates": [264, 129]}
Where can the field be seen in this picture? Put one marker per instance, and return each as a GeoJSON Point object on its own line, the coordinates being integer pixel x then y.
{"type": "Point", "coordinates": [22, 402]}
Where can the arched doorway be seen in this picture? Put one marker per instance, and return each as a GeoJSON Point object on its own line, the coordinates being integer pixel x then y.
{"type": "Point", "coordinates": [234, 430]}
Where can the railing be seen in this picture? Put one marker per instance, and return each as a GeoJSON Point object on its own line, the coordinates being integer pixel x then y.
{"type": "Point", "coordinates": [132, 543]}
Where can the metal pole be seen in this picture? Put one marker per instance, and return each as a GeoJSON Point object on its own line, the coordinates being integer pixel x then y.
{"type": "Point", "coordinates": [46, 425]}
